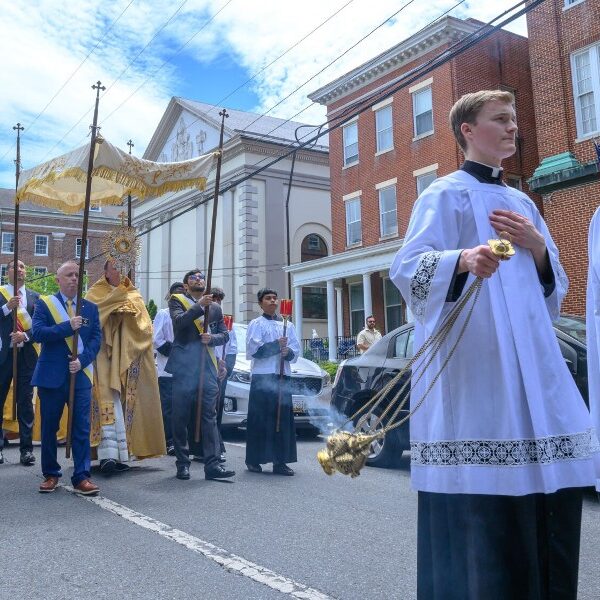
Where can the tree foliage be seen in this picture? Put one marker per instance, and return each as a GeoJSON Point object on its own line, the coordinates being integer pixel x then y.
{"type": "Point", "coordinates": [152, 308]}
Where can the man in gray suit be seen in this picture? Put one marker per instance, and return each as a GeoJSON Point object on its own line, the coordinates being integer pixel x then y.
{"type": "Point", "coordinates": [192, 347]}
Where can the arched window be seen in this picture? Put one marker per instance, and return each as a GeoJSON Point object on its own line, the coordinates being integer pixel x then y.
{"type": "Point", "coordinates": [313, 247]}
{"type": "Point", "coordinates": [314, 298]}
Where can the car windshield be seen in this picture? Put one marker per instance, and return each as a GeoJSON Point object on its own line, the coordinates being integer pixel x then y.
{"type": "Point", "coordinates": [573, 326]}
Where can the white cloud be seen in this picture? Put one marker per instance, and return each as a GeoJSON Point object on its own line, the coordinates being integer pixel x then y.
{"type": "Point", "coordinates": [43, 45]}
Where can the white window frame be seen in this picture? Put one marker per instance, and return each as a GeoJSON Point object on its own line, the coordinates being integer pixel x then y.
{"type": "Point", "coordinates": [378, 132]}
{"type": "Point", "coordinates": [594, 54]}
{"type": "Point", "coordinates": [351, 310]}
{"type": "Point", "coordinates": [3, 274]}
{"type": "Point", "coordinates": [382, 233]}
{"type": "Point", "coordinates": [569, 4]}
{"type": "Point", "coordinates": [35, 245]}
{"type": "Point", "coordinates": [418, 135]}
{"type": "Point", "coordinates": [354, 158]}
{"type": "Point", "coordinates": [419, 177]}
{"type": "Point", "coordinates": [6, 234]}
{"type": "Point", "coordinates": [78, 248]}
{"type": "Point", "coordinates": [353, 202]}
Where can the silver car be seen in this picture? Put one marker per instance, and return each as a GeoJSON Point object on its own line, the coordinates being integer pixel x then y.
{"type": "Point", "coordinates": [311, 392]}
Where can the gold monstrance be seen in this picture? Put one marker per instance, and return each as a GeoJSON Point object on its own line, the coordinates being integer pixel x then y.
{"type": "Point", "coordinates": [121, 246]}
{"type": "Point", "coordinates": [347, 451]}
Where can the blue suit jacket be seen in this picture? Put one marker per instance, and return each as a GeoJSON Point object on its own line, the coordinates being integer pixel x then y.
{"type": "Point", "coordinates": [52, 367]}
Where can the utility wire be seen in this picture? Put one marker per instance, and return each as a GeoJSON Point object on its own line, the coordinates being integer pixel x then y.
{"type": "Point", "coordinates": [62, 87]}
{"type": "Point", "coordinates": [161, 28]}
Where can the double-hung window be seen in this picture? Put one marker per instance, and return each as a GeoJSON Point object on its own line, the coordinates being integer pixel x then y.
{"type": "Point", "coordinates": [8, 242]}
{"type": "Point", "coordinates": [384, 128]}
{"type": "Point", "coordinates": [423, 112]}
{"type": "Point", "coordinates": [585, 67]}
{"type": "Point", "coordinates": [424, 181]}
{"type": "Point", "coordinates": [350, 135]}
{"type": "Point", "coordinates": [388, 212]}
{"type": "Point", "coordinates": [78, 248]}
{"type": "Point", "coordinates": [41, 245]}
{"type": "Point", "coordinates": [353, 222]}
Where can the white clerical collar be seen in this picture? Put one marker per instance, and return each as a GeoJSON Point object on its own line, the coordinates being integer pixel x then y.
{"type": "Point", "coordinates": [495, 170]}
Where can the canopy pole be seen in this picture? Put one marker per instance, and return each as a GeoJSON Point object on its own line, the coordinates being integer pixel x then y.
{"type": "Point", "coordinates": [18, 128]}
{"type": "Point", "coordinates": [86, 213]}
{"type": "Point", "coordinates": [131, 145]}
{"type": "Point", "coordinates": [223, 114]}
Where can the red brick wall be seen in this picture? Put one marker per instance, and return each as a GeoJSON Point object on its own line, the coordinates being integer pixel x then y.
{"type": "Point", "coordinates": [502, 60]}
{"type": "Point", "coordinates": [554, 35]}
{"type": "Point", "coordinates": [58, 251]}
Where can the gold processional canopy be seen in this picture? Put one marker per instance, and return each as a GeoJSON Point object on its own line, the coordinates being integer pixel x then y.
{"type": "Point", "coordinates": [60, 183]}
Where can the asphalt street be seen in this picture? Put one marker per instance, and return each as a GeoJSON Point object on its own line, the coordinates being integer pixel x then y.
{"type": "Point", "coordinates": [149, 535]}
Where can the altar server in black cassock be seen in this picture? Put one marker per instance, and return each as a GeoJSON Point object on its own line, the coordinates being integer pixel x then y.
{"type": "Point", "coordinates": [265, 345]}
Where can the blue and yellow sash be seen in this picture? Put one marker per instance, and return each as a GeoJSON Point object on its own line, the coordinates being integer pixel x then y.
{"type": "Point", "coordinates": [23, 316]}
{"type": "Point", "coordinates": [59, 314]}
{"type": "Point", "coordinates": [187, 304]}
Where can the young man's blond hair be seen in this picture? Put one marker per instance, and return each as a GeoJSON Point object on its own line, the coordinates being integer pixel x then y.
{"type": "Point", "coordinates": [467, 108]}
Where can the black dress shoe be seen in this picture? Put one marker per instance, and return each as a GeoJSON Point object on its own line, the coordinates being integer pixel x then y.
{"type": "Point", "coordinates": [222, 458]}
{"type": "Point", "coordinates": [254, 468]}
{"type": "Point", "coordinates": [183, 472]}
{"type": "Point", "coordinates": [218, 472]}
{"type": "Point", "coordinates": [282, 469]}
{"type": "Point", "coordinates": [27, 458]}
{"type": "Point", "coordinates": [1, 457]}
{"type": "Point", "coordinates": [121, 467]}
{"type": "Point", "coordinates": [107, 465]}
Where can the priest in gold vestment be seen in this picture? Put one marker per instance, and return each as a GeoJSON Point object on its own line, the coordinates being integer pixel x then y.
{"type": "Point", "coordinates": [126, 412]}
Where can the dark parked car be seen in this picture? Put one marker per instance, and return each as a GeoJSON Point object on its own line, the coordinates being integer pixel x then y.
{"type": "Point", "coordinates": [359, 379]}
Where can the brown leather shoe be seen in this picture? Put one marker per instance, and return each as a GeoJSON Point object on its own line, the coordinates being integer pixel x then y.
{"type": "Point", "coordinates": [86, 488]}
{"type": "Point", "coordinates": [48, 485]}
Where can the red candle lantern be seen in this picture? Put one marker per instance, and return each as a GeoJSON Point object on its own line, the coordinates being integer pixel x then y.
{"type": "Point", "coordinates": [285, 308]}
{"type": "Point", "coordinates": [228, 319]}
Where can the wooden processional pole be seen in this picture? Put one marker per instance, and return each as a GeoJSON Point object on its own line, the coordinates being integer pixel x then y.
{"type": "Point", "coordinates": [223, 114]}
{"type": "Point", "coordinates": [131, 145]}
{"type": "Point", "coordinates": [86, 213]}
{"type": "Point", "coordinates": [18, 128]}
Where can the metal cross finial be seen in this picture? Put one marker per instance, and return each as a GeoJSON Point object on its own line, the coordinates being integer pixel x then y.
{"type": "Point", "coordinates": [98, 86]}
{"type": "Point", "coordinates": [130, 144]}
{"type": "Point", "coordinates": [18, 127]}
{"type": "Point", "coordinates": [223, 113]}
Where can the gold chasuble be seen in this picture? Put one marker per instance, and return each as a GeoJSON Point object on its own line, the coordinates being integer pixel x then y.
{"type": "Point", "coordinates": [125, 365]}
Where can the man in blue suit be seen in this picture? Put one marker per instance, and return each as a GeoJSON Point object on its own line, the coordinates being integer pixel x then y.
{"type": "Point", "coordinates": [53, 326]}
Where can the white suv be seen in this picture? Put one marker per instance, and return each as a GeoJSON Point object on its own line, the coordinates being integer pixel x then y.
{"type": "Point", "coordinates": [311, 392]}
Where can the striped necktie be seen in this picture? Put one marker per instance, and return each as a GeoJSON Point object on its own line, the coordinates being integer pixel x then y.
{"type": "Point", "coordinates": [69, 304]}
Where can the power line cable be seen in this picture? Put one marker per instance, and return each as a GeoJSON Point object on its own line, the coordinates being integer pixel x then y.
{"type": "Point", "coordinates": [159, 30]}
{"type": "Point", "coordinates": [62, 87]}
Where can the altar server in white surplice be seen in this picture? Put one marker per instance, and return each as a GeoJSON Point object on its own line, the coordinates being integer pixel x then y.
{"type": "Point", "coordinates": [593, 322]}
{"type": "Point", "coordinates": [503, 444]}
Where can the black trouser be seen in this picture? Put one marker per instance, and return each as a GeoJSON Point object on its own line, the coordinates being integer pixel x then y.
{"type": "Point", "coordinates": [229, 364]}
{"type": "Point", "coordinates": [24, 399]}
{"type": "Point", "coordinates": [165, 387]}
{"type": "Point", "coordinates": [185, 400]}
{"type": "Point", "coordinates": [473, 546]}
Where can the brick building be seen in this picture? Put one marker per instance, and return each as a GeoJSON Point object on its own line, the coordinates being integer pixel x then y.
{"type": "Point", "coordinates": [564, 46]}
{"type": "Point", "coordinates": [48, 237]}
{"type": "Point", "coordinates": [387, 155]}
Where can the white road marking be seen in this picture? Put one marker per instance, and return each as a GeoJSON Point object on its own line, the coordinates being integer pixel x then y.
{"type": "Point", "coordinates": [234, 444]}
{"type": "Point", "coordinates": [233, 563]}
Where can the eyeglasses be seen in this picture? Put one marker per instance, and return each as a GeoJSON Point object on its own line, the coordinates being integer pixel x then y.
{"type": "Point", "coordinates": [198, 276]}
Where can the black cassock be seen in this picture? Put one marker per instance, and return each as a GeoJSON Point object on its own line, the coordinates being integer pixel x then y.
{"type": "Point", "coordinates": [263, 443]}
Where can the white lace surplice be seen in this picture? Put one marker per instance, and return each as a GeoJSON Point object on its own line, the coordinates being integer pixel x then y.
{"type": "Point", "coordinates": [505, 417]}
{"type": "Point", "coordinates": [593, 322]}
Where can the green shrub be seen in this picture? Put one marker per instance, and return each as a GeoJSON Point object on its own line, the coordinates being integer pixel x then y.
{"type": "Point", "coordinates": [329, 367]}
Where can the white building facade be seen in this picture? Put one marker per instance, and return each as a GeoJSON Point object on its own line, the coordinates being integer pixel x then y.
{"type": "Point", "coordinates": [250, 243]}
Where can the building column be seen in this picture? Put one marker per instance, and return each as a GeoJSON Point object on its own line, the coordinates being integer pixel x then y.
{"type": "Point", "coordinates": [339, 311]}
{"type": "Point", "coordinates": [331, 321]}
{"type": "Point", "coordinates": [367, 300]}
{"type": "Point", "coordinates": [298, 310]}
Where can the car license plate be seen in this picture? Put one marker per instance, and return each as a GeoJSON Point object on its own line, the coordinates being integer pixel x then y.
{"type": "Point", "coordinates": [299, 405]}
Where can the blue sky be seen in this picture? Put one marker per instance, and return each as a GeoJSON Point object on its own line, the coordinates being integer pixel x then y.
{"type": "Point", "coordinates": [212, 46]}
